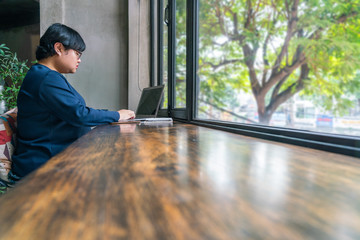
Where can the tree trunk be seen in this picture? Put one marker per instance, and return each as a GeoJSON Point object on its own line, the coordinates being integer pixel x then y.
{"type": "Point", "coordinates": [264, 116]}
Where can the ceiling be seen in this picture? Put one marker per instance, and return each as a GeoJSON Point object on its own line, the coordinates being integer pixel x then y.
{"type": "Point", "coordinates": [16, 13]}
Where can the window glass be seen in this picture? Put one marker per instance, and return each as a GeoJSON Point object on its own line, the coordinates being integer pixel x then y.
{"type": "Point", "coordinates": [180, 54]}
{"type": "Point", "coordinates": [292, 64]}
{"type": "Point", "coordinates": [165, 52]}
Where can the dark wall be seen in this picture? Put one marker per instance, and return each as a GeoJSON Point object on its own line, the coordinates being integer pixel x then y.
{"type": "Point", "coordinates": [20, 27]}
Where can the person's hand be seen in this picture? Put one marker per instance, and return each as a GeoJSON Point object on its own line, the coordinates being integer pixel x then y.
{"type": "Point", "coordinates": [126, 114]}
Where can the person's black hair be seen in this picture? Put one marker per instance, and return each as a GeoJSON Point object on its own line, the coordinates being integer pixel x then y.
{"type": "Point", "coordinates": [61, 33]}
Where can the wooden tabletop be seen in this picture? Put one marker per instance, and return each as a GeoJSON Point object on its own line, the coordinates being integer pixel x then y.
{"type": "Point", "coordinates": [182, 181]}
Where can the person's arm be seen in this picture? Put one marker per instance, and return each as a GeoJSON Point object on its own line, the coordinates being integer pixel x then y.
{"type": "Point", "coordinates": [59, 98]}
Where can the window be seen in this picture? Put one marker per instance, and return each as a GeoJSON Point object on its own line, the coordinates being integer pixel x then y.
{"type": "Point", "coordinates": [284, 71]}
{"type": "Point", "coordinates": [180, 54]}
{"type": "Point", "coordinates": [165, 52]}
{"type": "Point", "coordinates": [172, 52]}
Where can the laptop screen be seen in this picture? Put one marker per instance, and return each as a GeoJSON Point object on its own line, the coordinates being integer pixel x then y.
{"type": "Point", "coordinates": [150, 101]}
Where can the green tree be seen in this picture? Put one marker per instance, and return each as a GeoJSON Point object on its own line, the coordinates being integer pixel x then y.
{"type": "Point", "coordinates": [276, 49]}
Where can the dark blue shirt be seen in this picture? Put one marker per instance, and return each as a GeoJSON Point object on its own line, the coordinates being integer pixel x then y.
{"type": "Point", "coordinates": [51, 115]}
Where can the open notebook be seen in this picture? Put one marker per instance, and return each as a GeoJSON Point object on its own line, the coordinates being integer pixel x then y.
{"type": "Point", "coordinates": [149, 105]}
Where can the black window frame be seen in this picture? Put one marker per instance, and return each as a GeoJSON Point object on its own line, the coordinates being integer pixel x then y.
{"type": "Point", "coordinates": [336, 143]}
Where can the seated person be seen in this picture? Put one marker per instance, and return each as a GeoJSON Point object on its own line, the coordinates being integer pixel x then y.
{"type": "Point", "coordinates": [51, 113]}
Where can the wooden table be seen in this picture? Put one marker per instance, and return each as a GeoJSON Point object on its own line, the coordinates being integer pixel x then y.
{"type": "Point", "coordinates": [184, 182]}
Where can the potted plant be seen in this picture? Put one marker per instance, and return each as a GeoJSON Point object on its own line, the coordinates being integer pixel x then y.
{"type": "Point", "coordinates": [12, 73]}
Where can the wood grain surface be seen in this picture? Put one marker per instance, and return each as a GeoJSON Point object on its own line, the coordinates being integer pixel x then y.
{"type": "Point", "coordinates": [180, 181]}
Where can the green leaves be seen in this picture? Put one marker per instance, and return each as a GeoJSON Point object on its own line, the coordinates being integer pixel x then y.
{"type": "Point", "coordinates": [2, 49]}
{"type": "Point", "coordinates": [12, 73]}
{"type": "Point", "coordinates": [3, 187]}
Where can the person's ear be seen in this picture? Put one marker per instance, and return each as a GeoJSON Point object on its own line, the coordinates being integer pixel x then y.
{"type": "Point", "coordinates": [58, 48]}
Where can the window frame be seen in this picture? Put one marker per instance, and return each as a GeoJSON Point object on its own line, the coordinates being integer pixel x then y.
{"type": "Point", "coordinates": [336, 143]}
{"type": "Point", "coordinates": [179, 113]}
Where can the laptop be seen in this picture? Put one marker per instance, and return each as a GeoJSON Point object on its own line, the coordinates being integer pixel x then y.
{"type": "Point", "coordinates": [149, 105]}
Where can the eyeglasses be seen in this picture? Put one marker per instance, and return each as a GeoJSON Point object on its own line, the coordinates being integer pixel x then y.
{"type": "Point", "coordinates": [78, 54]}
